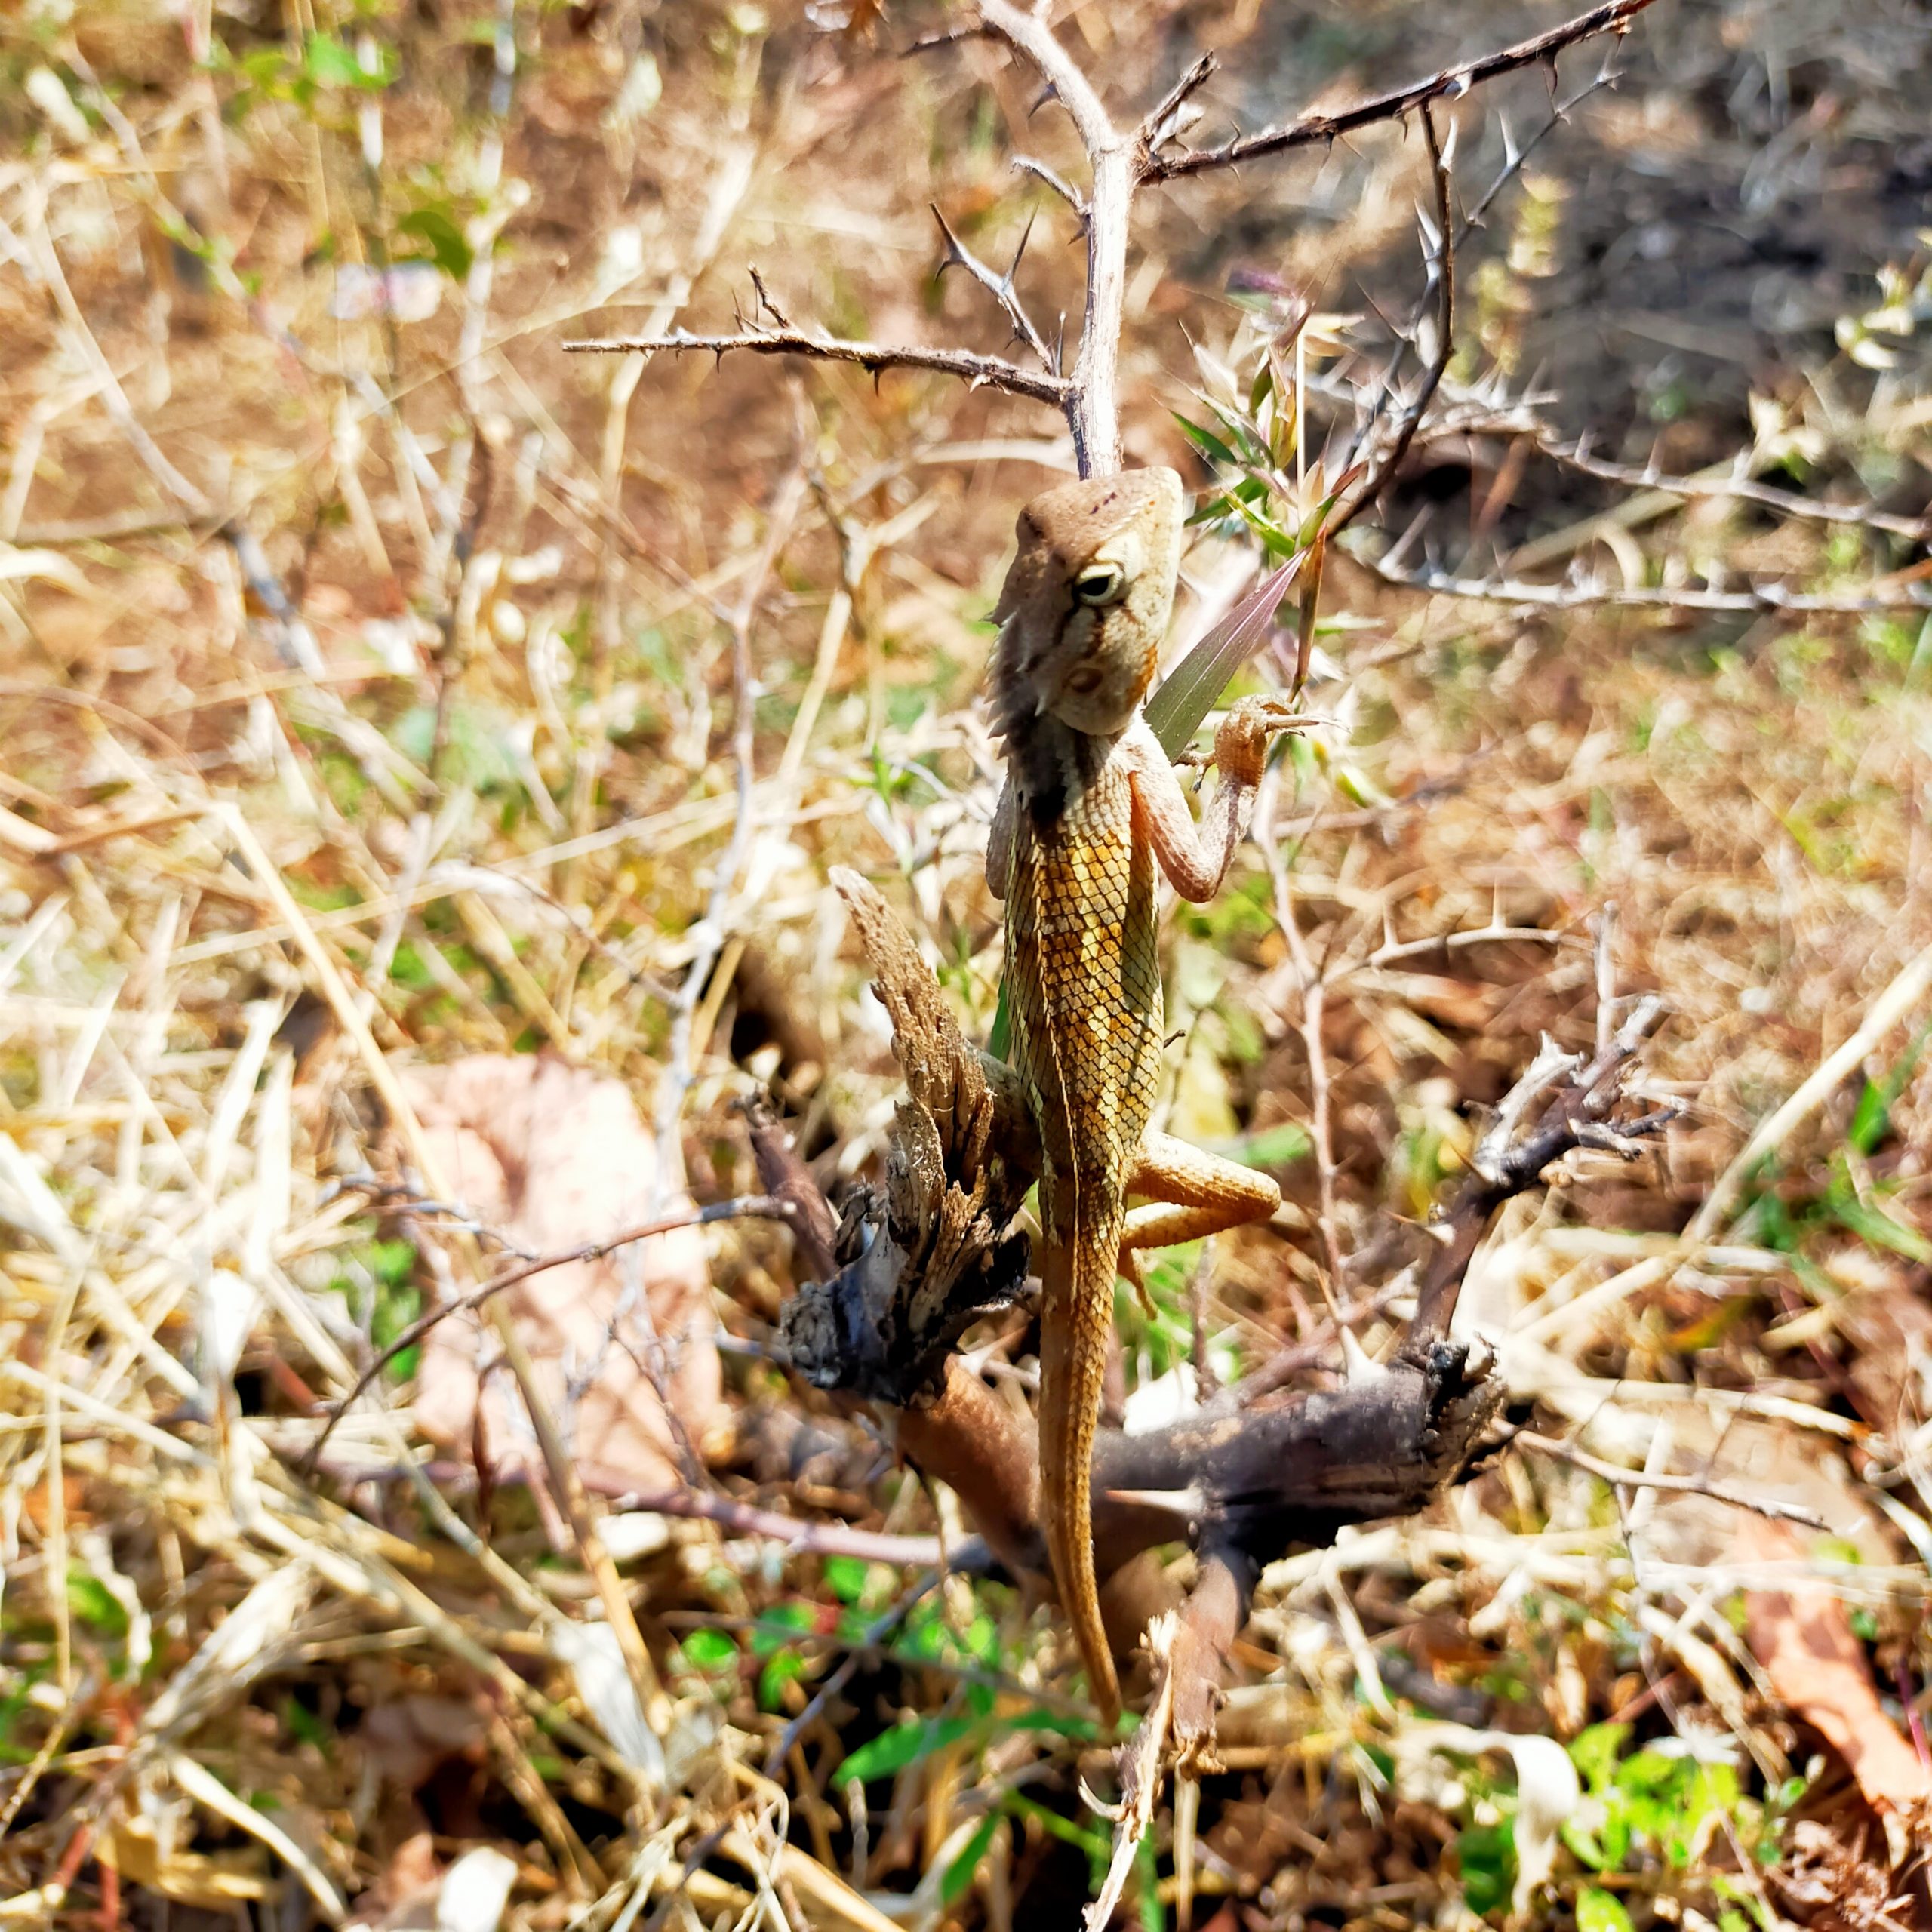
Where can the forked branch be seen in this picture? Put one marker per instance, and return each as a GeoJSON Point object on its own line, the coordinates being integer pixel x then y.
{"type": "Point", "coordinates": [1119, 161]}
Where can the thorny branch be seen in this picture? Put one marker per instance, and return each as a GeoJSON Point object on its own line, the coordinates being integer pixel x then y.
{"type": "Point", "coordinates": [1583, 1096]}
{"type": "Point", "coordinates": [1000, 287]}
{"type": "Point", "coordinates": [1592, 594]}
{"type": "Point", "coordinates": [1579, 456]}
{"type": "Point", "coordinates": [871, 356]}
{"type": "Point", "coordinates": [1449, 84]}
{"type": "Point", "coordinates": [1120, 162]}
{"type": "Point", "coordinates": [1442, 286]}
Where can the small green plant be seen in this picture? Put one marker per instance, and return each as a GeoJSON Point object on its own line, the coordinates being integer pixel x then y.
{"type": "Point", "coordinates": [1158, 1333]}
{"type": "Point", "coordinates": [378, 1279]}
{"type": "Point", "coordinates": [1657, 1804]}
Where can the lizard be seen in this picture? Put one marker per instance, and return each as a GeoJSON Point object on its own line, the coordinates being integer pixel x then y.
{"type": "Point", "coordinates": [1091, 809]}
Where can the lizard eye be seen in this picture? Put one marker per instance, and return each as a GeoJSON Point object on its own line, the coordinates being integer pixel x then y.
{"type": "Point", "coordinates": [1100, 584]}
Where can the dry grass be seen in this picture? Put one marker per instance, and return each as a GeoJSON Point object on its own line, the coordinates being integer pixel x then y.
{"type": "Point", "coordinates": [439, 752]}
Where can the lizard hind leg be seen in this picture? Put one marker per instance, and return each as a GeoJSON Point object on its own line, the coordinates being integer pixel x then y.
{"type": "Point", "coordinates": [1135, 1276]}
{"type": "Point", "coordinates": [1188, 1194]}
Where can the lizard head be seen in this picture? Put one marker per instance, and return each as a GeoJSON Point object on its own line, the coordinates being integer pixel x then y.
{"type": "Point", "coordinates": [1086, 602]}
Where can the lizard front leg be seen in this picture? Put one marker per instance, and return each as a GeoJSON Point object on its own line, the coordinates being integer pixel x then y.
{"type": "Point", "coordinates": [1196, 858]}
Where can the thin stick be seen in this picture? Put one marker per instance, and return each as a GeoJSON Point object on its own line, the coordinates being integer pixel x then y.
{"type": "Point", "coordinates": [1314, 1000]}
{"type": "Point", "coordinates": [675, 1081]}
{"type": "Point", "coordinates": [1912, 984]}
{"type": "Point", "coordinates": [1623, 1478]}
{"type": "Point", "coordinates": [754, 1204]}
{"type": "Point", "coordinates": [1592, 595]}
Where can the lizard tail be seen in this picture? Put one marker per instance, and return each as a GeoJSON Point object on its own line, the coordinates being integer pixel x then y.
{"type": "Point", "coordinates": [1076, 1318]}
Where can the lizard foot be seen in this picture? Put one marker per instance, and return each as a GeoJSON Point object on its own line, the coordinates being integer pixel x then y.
{"type": "Point", "coordinates": [1135, 1276]}
{"type": "Point", "coordinates": [1241, 743]}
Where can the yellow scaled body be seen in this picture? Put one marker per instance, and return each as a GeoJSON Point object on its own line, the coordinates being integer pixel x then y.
{"type": "Point", "coordinates": [1091, 809]}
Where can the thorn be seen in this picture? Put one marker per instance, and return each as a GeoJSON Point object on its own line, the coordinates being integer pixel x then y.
{"type": "Point", "coordinates": [1358, 1368]}
{"type": "Point", "coordinates": [1026, 235]}
{"type": "Point", "coordinates": [956, 256]}
{"type": "Point", "coordinates": [765, 301]}
{"type": "Point", "coordinates": [1111, 1812]}
{"type": "Point", "coordinates": [1188, 1502]}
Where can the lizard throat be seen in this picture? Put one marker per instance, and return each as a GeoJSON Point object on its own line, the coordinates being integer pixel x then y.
{"type": "Point", "coordinates": [1052, 765]}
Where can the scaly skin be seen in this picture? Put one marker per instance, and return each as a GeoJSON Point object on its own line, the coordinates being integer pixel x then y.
{"type": "Point", "coordinates": [1091, 808]}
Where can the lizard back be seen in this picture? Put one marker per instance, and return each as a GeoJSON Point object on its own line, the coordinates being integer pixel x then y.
{"type": "Point", "coordinates": [1084, 984]}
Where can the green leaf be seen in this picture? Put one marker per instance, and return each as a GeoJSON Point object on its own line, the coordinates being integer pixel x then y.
{"type": "Point", "coordinates": [1081, 1729]}
{"type": "Point", "coordinates": [393, 1263]}
{"type": "Point", "coordinates": [1207, 442]}
{"type": "Point", "coordinates": [1001, 1038]}
{"type": "Point", "coordinates": [1599, 1911]}
{"type": "Point", "coordinates": [1279, 1146]}
{"type": "Point", "coordinates": [1095, 1844]}
{"type": "Point", "coordinates": [448, 248]}
{"type": "Point", "coordinates": [1275, 540]}
{"type": "Point", "coordinates": [96, 1605]}
{"type": "Point", "coordinates": [304, 1725]}
{"type": "Point", "coordinates": [780, 1625]}
{"type": "Point", "coordinates": [904, 1744]}
{"type": "Point", "coordinates": [710, 1650]}
{"type": "Point", "coordinates": [1871, 1119]}
{"type": "Point", "coordinates": [1487, 1855]}
{"type": "Point", "coordinates": [847, 1577]}
{"type": "Point", "coordinates": [1147, 1870]}
{"type": "Point", "coordinates": [782, 1668]}
{"type": "Point", "coordinates": [1875, 1225]}
{"type": "Point", "coordinates": [330, 64]}
{"type": "Point", "coordinates": [1594, 1751]}
{"type": "Point", "coordinates": [264, 65]}
{"type": "Point", "coordinates": [1175, 711]}
{"type": "Point", "coordinates": [959, 1873]}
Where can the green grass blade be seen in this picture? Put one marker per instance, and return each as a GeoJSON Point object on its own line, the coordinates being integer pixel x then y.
{"type": "Point", "coordinates": [1175, 711]}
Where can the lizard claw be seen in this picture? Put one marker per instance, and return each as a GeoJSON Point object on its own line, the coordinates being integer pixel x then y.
{"type": "Point", "coordinates": [1241, 743]}
{"type": "Point", "coordinates": [1135, 1276]}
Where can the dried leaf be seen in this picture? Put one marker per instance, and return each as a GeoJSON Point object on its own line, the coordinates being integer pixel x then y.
{"type": "Point", "coordinates": [1804, 1638]}
{"type": "Point", "coordinates": [551, 1157]}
